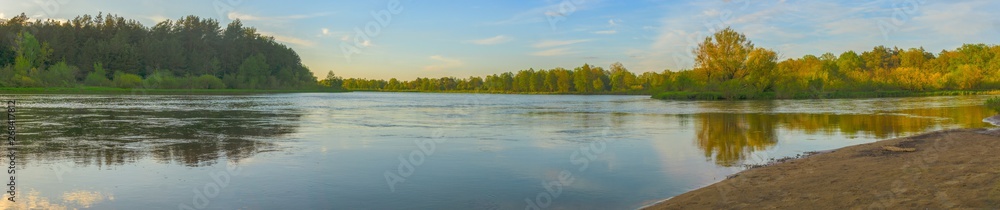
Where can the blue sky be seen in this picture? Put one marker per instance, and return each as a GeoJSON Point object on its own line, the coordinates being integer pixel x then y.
{"type": "Point", "coordinates": [430, 38]}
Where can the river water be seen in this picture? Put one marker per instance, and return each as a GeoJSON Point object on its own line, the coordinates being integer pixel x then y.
{"type": "Point", "coordinates": [367, 150]}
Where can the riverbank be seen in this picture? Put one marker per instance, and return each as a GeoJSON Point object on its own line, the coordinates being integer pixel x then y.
{"type": "Point", "coordinates": [710, 96]}
{"type": "Point", "coordinates": [938, 170]}
{"type": "Point", "coordinates": [106, 90]}
{"type": "Point", "coordinates": [684, 95]}
{"type": "Point", "coordinates": [514, 93]}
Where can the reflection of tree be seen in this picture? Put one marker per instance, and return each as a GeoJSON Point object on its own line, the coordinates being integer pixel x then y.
{"type": "Point", "coordinates": [114, 137]}
{"type": "Point", "coordinates": [729, 137]}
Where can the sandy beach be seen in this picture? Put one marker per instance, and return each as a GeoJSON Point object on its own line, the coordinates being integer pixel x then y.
{"type": "Point", "coordinates": [949, 169]}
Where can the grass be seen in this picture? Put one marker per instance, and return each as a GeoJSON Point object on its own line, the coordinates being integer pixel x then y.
{"type": "Point", "coordinates": [993, 103]}
{"type": "Point", "coordinates": [109, 90]}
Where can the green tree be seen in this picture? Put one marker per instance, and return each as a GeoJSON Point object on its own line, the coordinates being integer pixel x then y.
{"type": "Point", "coordinates": [582, 79]}
{"type": "Point", "coordinates": [253, 72]}
{"type": "Point", "coordinates": [723, 56]}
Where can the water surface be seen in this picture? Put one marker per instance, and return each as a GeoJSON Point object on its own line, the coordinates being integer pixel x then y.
{"type": "Point", "coordinates": [426, 151]}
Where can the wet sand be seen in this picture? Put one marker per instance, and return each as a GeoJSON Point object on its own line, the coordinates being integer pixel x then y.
{"type": "Point", "coordinates": [950, 169]}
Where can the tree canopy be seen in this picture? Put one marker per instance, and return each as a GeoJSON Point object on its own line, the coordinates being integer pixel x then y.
{"type": "Point", "coordinates": [91, 47]}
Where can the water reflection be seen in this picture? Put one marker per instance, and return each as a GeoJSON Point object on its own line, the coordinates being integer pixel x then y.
{"type": "Point", "coordinates": [185, 134]}
{"type": "Point", "coordinates": [728, 138]}
{"type": "Point", "coordinates": [69, 200]}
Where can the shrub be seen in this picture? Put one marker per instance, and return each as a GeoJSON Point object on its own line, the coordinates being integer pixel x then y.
{"type": "Point", "coordinates": [98, 77]}
{"type": "Point", "coordinates": [59, 75]}
{"type": "Point", "coordinates": [207, 82]}
{"type": "Point", "coordinates": [126, 80]}
{"type": "Point", "coordinates": [163, 80]}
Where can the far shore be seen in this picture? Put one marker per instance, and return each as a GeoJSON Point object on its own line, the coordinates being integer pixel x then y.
{"type": "Point", "coordinates": [949, 169]}
{"type": "Point", "coordinates": [140, 91]}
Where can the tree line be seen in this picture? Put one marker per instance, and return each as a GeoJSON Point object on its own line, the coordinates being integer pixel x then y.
{"type": "Point", "coordinates": [584, 79]}
{"type": "Point", "coordinates": [730, 66]}
{"type": "Point", "coordinates": [108, 50]}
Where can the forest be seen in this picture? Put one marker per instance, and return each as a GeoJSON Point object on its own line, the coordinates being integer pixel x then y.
{"type": "Point", "coordinates": [110, 51]}
{"type": "Point", "coordinates": [729, 66]}
{"type": "Point", "coordinates": [194, 53]}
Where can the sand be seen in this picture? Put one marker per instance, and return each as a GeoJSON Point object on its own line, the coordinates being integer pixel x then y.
{"type": "Point", "coordinates": [950, 169]}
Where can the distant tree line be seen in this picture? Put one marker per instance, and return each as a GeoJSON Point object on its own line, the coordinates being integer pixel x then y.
{"type": "Point", "coordinates": [107, 50]}
{"type": "Point", "coordinates": [728, 65]}
{"type": "Point", "coordinates": [584, 79]}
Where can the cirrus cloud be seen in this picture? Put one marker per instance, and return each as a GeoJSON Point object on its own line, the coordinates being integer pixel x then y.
{"type": "Point", "coordinates": [554, 52]}
{"type": "Point", "coordinates": [443, 63]}
{"type": "Point", "coordinates": [491, 41]}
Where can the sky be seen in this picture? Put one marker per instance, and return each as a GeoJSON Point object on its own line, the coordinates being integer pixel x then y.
{"type": "Point", "coordinates": [406, 39]}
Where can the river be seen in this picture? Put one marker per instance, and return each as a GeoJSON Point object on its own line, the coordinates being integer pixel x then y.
{"type": "Point", "coordinates": [369, 150]}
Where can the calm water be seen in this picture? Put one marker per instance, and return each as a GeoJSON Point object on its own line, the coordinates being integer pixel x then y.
{"type": "Point", "coordinates": [425, 151]}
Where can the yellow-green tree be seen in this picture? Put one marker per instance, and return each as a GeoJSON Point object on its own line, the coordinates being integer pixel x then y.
{"type": "Point", "coordinates": [729, 55]}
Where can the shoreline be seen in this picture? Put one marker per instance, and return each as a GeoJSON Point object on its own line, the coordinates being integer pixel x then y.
{"type": "Point", "coordinates": [107, 90]}
{"type": "Point", "coordinates": [955, 168]}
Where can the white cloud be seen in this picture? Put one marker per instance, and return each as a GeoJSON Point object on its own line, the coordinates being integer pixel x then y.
{"type": "Point", "coordinates": [249, 17]}
{"type": "Point", "coordinates": [606, 32]}
{"type": "Point", "coordinates": [553, 52]}
{"type": "Point", "coordinates": [491, 41]}
{"type": "Point", "coordinates": [952, 19]}
{"type": "Point", "coordinates": [157, 18]}
{"type": "Point", "coordinates": [326, 32]}
{"type": "Point", "coordinates": [2, 16]}
{"type": "Point", "coordinates": [556, 43]}
{"type": "Point", "coordinates": [241, 16]}
{"type": "Point", "coordinates": [612, 23]}
{"type": "Point", "coordinates": [289, 39]}
{"type": "Point", "coordinates": [554, 9]}
{"type": "Point", "coordinates": [444, 63]}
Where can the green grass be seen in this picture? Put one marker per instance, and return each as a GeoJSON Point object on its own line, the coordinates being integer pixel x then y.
{"type": "Point", "coordinates": [109, 90]}
{"type": "Point", "coordinates": [993, 103]}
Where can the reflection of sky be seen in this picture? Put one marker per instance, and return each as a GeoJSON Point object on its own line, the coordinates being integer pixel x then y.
{"type": "Point", "coordinates": [497, 149]}
{"type": "Point", "coordinates": [69, 200]}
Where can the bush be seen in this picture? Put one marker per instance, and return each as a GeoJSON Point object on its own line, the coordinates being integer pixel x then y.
{"type": "Point", "coordinates": [59, 75]}
{"type": "Point", "coordinates": [163, 80]}
{"type": "Point", "coordinates": [23, 81]}
{"type": "Point", "coordinates": [98, 77]}
{"type": "Point", "coordinates": [126, 80]}
{"type": "Point", "coordinates": [6, 73]}
{"type": "Point", "coordinates": [207, 82]}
